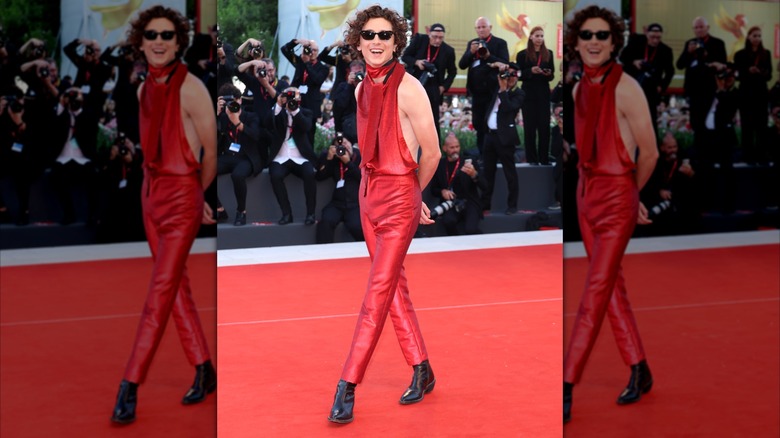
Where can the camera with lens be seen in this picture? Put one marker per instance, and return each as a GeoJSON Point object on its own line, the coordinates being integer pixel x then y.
{"type": "Point", "coordinates": [428, 72]}
{"type": "Point", "coordinates": [725, 73]}
{"type": "Point", "coordinates": [359, 76]}
{"type": "Point", "coordinates": [307, 50]}
{"type": "Point", "coordinates": [219, 43]}
{"type": "Point", "coordinates": [125, 50]}
{"type": "Point", "coordinates": [44, 72]}
{"type": "Point", "coordinates": [89, 50]}
{"type": "Point", "coordinates": [73, 100]}
{"type": "Point", "coordinates": [504, 74]}
{"type": "Point", "coordinates": [120, 143]}
{"type": "Point", "coordinates": [457, 204]}
{"type": "Point", "coordinates": [257, 52]}
{"type": "Point", "coordinates": [342, 50]}
{"type": "Point", "coordinates": [13, 104]}
{"type": "Point", "coordinates": [231, 103]}
{"type": "Point", "coordinates": [141, 76]}
{"type": "Point", "coordinates": [656, 210]}
{"type": "Point", "coordinates": [261, 73]}
{"type": "Point", "coordinates": [292, 103]}
{"type": "Point", "coordinates": [338, 141]}
{"type": "Point", "coordinates": [647, 71]}
{"type": "Point", "coordinates": [39, 51]}
{"type": "Point", "coordinates": [482, 49]}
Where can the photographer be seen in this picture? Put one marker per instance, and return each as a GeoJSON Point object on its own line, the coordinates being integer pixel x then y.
{"type": "Point", "coordinates": [340, 162]}
{"type": "Point", "coordinates": [651, 63]}
{"type": "Point", "coordinates": [292, 152]}
{"type": "Point", "coordinates": [341, 61]}
{"type": "Point", "coordinates": [16, 153]}
{"type": "Point", "coordinates": [344, 103]}
{"type": "Point", "coordinates": [75, 134]}
{"type": "Point", "coordinates": [238, 148]}
{"type": "Point", "coordinates": [481, 80]}
{"type": "Point", "coordinates": [259, 76]}
{"type": "Point", "coordinates": [249, 50]}
{"type": "Point", "coordinates": [457, 180]}
{"type": "Point", "coordinates": [123, 177]}
{"type": "Point", "coordinates": [536, 67]}
{"type": "Point", "coordinates": [668, 194]}
{"type": "Point", "coordinates": [309, 75]}
{"type": "Point", "coordinates": [702, 57]}
{"type": "Point", "coordinates": [502, 138]}
{"type": "Point", "coordinates": [93, 70]}
{"type": "Point", "coordinates": [124, 94]}
{"type": "Point", "coordinates": [432, 61]}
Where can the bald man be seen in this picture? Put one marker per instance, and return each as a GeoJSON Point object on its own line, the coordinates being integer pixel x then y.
{"type": "Point", "coordinates": [482, 80]}
{"type": "Point", "coordinates": [702, 57]}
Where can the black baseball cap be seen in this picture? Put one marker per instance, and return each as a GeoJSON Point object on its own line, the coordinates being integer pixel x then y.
{"type": "Point", "coordinates": [436, 26]}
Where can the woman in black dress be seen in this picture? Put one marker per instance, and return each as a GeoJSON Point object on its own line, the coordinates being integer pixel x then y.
{"type": "Point", "coordinates": [536, 66]}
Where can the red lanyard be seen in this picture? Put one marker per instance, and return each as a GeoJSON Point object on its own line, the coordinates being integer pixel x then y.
{"type": "Point", "coordinates": [671, 172]}
{"type": "Point", "coordinates": [341, 169]}
{"type": "Point", "coordinates": [647, 47]}
{"type": "Point", "coordinates": [539, 58]}
{"type": "Point", "coordinates": [428, 58]}
{"type": "Point", "coordinates": [452, 176]}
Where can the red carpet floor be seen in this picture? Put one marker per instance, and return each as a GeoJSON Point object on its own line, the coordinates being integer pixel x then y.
{"type": "Point", "coordinates": [67, 330]}
{"type": "Point", "coordinates": [709, 320]}
{"type": "Point", "coordinates": [491, 321]}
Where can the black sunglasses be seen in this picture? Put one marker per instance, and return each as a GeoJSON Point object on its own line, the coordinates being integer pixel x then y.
{"type": "Point", "coordinates": [601, 35]}
{"type": "Point", "coordinates": [166, 35]}
{"type": "Point", "coordinates": [368, 35]}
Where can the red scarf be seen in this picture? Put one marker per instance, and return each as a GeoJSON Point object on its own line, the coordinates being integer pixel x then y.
{"type": "Point", "coordinates": [379, 101]}
{"type": "Point", "coordinates": [157, 100]}
{"type": "Point", "coordinates": [593, 100]}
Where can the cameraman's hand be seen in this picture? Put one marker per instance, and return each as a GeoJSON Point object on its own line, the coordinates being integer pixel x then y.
{"type": "Point", "coordinates": [502, 83]}
{"type": "Point", "coordinates": [447, 194]}
{"type": "Point", "coordinates": [331, 152]}
{"type": "Point", "coordinates": [220, 105]}
{"type": "Point", "coordinates": [686, 169]}
{"type": "Point", "coordinates": [420, 64]}
{"type": "Point", "coordinates": [473, 47]}
{"type": "Point", "coordinates": [642, 218]}
{"type": "Point", "coordinates": [425, 215]}
{"type": "Point", "coordinates": [692, 45]}
{"type": "Point", "coordinates": [253, 42]}
{"type": "Point", "coordinates": [638, 64]}
{"type": "Point", "coordinates": [221, 54]}
{"type": "Point", "coordinates": [666, 195]}
{"type": "Point", "coordinates": [469, 170]}
{"type": "Point", "coordinates": [719, 66]}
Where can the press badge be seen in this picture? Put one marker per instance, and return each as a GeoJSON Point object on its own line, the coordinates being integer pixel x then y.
{"type": "Point", "coordinates": [475, 63]}
{"type": "Point", "coordinates": [123, 183]}
{"type": "Point", "coordinates": [340, 184]}
{"type": "Point", "coordinates": [17, 147]}
{"type": "Point", "coordinates": [85, 89]}
{"type": "Point", "coordinates": [234, 147]}
{"type": "Point", "coordinates": [303, 89]}
{"type": "Point", "coordinates": [73, 143]}
{"type": "Point", "coordinates": [291, 143]}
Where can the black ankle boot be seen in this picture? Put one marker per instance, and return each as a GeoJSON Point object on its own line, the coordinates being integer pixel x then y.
{"type": "Point", "coordinates": [641, 382]}
{"type": "Point", "coordinates": [423, 382]}
{"type": "Point", "coordinates": [343, 403]}
{"type": "Point", "coordinates": [126, 400]}
{"type": "Point", "coordinates": [205, 383]}
{"type": "Point", "coordinates": [567, 398]}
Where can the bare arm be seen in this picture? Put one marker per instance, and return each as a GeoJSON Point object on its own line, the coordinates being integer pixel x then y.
{"type": "Point", "coordinates": [410, 93]}
{"type": "Point", "coordinates": [638, 116]}
{"type": "Point", "coordinates": [195, 94]}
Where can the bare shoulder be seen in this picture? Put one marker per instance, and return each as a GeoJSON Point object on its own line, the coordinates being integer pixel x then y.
{"type": "Point", "coordinates": [410, 88]}
{"type": "Point", "coordinates": [193, 90]}
{"type": "Point", "coordinates": [357, 89]}
{"type": "Point", "coordinates": [628, 87]}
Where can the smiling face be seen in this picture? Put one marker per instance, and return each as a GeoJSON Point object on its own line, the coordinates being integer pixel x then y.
{"type": "Point", "coordinates": [377, 52]}
{"type": "Point", "coordinates": [595, 52]}
{"type": "Point", "coordinates": [160, 52]}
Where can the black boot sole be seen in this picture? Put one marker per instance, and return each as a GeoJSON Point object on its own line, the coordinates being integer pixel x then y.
{"type": "Point", "coordinates": [644, 390]}
{"type": "Point", "coordinates": [340, 421]}
{"type": "Point", "coordinates": [194, 402]}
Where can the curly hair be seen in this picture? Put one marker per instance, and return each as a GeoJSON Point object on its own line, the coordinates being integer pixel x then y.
{"type": "Point", "coordinates": [616, 26]}
{"type": "Point", "coordinates": [354, 26]}
{"type": "Point", "coordinates": [530, 53]}
{"type": "Point", "coordinates": [135, 33]}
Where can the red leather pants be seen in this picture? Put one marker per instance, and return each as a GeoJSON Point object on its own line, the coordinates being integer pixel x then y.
{"type": "Point", "coordinates": [390, 213]}
{"type": "Point", "coordinates": [173, 207]}
{"type": "Point", "coordinates": [608, 207]}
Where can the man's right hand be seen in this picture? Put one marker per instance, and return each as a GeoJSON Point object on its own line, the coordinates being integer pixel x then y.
{"type": "Point", "coordinates": [447, 194]}
{"type": "Point", "coordinates": [220, 105]}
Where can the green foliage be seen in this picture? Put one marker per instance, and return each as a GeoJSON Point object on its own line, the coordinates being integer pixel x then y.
{"type": "Point", "coordinates": [243, 19]}
{"type": "Point", "coordinates": [24, 19]}
{"type": "Point", "coordinates": [468, 138]}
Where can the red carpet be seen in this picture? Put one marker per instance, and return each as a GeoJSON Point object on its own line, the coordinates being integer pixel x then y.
{"type": "Point", "coordinates": [67, 330]}
{"type": "Point", "coordinates": [709, 320]}
{"type": "Point", "coordinates": [491, 322]}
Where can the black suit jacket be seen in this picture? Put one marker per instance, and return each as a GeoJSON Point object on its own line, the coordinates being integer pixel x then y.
{"type": "Point", "coordinates": [347, 196]}
{"type": "Point", "coordinates": [511, 102]}
{"type": "Point", "coordinates": [341, 66]}
{"type": "Point", "coordinates": [660, 58]}
{"type": "Point", "coordinates": [482, 80]}
{"type": "Point", "coordinates": [444, 61]}
{"type": "Point", "coordinates": [700, 79]}
{"type": "Point", "coordinates": [536, 86]}
{"type": "Point", "coordinates": [248, 138]}
{"type": "Point", "coordinates": [462, 184]}
{"type": "Point", "coordinates": [301, 123]}
{"type": "Point", "coordinates": [753, 83]}
{"type": "Point", "coordinates": [315, 73]}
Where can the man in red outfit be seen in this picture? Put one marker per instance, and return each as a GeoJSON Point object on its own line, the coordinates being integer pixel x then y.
{"type": "Point", "coordinates": [392, 129]}
{"type": "Point", "coordinates": [611, 129]}
{"type": "Point", "coordinates": [177, 126]}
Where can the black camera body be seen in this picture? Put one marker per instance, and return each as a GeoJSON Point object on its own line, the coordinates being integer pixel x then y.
{"type": "Point", "coordinates": [457, 204]}
{"type": "Point", "coordinates": [430, 67]}
{"type": "Point", "coordinates": [13, 104]}
{"type": "Point", "coordinates": [39, 51]}
{"type": "Point", "coordinates": [261, 73]}
{"type": "Point", "coordinates": [44, 72]}
{"type": "Point", "coordinates": [125, 50]}
{"type": "Point", "coordinates": [307, 50]}
{"type": "Point", "coordinates": [342, 50]}
{"type": "Point", "coordinates": [120, 142]}
{"type": "Point", "coordinates": [341, 150]}
{"type": "Point", "coordinates": [292, 103]}
{"type": "Point", "coordinates": [88, 50]}
{"type": "Point", "coordinates": [219, 43]}
{"type": "Point", "coordinates": [482, 49]}
{"type": "Point", "coordinates": [256, 52]}
{"type": "Point", "coordinates": [359, 76]}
